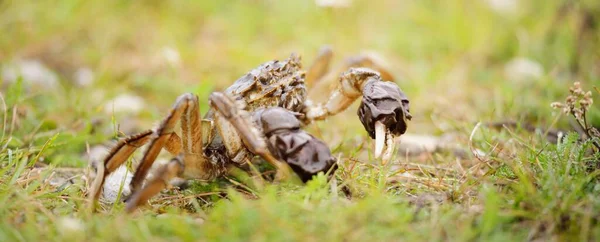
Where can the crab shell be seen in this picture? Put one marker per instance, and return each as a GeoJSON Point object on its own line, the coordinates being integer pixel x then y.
{"type": "Point", "coordinates": [272, 84]}
{"type": "Point", "coordinates": [272, 93]}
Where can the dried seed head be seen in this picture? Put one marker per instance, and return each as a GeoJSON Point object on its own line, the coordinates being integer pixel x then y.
{"type": "Point", "coordinates": [595, 132]}
{"type": "Point", "coordinates": [576, 89]}
{"type": "Point", "coordinates": [578, 113]}
{"type": "Point", "coordinates": [587, 98]}
{"type": "Point", "coordinates": [577, 103]}
{"type": "Point", "coordinates": [557, 105]}
{"type": "Point", "coordinates": [570, 100]}
{"type": "Point", "coordinates": [584, 104]}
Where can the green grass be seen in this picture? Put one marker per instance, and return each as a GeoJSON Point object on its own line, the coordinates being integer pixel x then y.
{"type": "Point", "coordinates": [448, 56]}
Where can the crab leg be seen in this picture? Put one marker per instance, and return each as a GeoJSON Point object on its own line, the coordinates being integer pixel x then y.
{"type": "Point", "coordinates": [163, 137]}
{"type": "Point", "coordinates": [319, 67]}
{"type": "Point", "coordinates": [190, 163]}
{"type": "Point", "coordinates": [116, 157]}
{"type": "Point", "coordinates": [349, 89]}
{"type": "Point", "coordinates": [160, 181]}
{"type": "Point", "coordinates": [121, 152]}
{"type": "Point", "coordinates": [186, 106]}
{"type": "Point", "coordinates": [383, 111]}
{"type": "Point", "coordinates": [325, 81]}
{"type": "Point", "coordinates": [229, 113]}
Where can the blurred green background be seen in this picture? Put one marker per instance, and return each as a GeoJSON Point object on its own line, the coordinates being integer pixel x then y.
{"type": "Point", "coordinates": [436, 48]}
{"type": "Point", "coordinates": [458, 61]}
{"type": "Point", "coordinates": [77, 72]}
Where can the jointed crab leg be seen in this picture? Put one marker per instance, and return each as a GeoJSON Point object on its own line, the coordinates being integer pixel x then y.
{"type": "Point", "coordinates": [190, 158]}
{"type": "Point", "coordinates": [185, 108]}
{"type": "Point", "coordinates": [319, 67]}
{"type": "Point", "coordinates": [187, 104]}
{"type": "Point", "coordinates": [160, 181]}
{"type": "Point", "coordinates": [326, 80]}
{"type": "Point", "coordinates": [117, 156]}
{"type": "Point", "coordinates": [121, 152]}
{"type": "Point", "coordinates": [351, 86]}
{"type": "Point", "coordinates": [230, 113]}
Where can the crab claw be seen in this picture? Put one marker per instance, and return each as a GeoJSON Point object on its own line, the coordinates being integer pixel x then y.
{"type": "Point", "coordinates": [380, 137]}
{"type": "Point", "coordinates": [384, 112]}
{"type": "Point", "coordinates": [305, 154]}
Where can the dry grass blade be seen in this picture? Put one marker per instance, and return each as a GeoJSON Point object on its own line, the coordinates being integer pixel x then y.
{"type": "Point", "coordinates": [474, 151]}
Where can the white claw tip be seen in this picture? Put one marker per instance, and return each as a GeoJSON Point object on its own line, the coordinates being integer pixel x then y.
{"type": "Point", "coordinates": [390, 142]}
{"type": "Point", "coordinates": [380, 137]}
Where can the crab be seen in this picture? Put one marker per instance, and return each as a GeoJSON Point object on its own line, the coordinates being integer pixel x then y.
{"type": "Point", "coordinates": [262, 114]}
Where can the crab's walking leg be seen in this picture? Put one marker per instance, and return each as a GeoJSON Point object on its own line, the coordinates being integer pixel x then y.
{"type": "Point", "coordinates": [116, 157]}
{"type": "Point", "coordinates": [319, 67]}
{"type": "Point", "coordinates": [163, 137]}
{"type": "Point", "coordinates": [121, 152]}
{"type": "Point", "coordinates": [349, 88]}
{"type": "Point", "coordinates": [384, 111]}
{"type": "Point", "coordinates": [186, 106]}
{"type": "Point", "coordinates": [189, 163]}
{"type": "Point", "coordinates": [326, 80]}
{"type": "Point", "coordinates": [160, 181]}
{"type": "Point", "coordinates": [229, 114]}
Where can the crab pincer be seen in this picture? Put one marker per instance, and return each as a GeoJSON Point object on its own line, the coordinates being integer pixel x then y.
{"type": "Point", "coordinates": [305, 154]}
{"type": "Point", "coordinates": [384, 112]}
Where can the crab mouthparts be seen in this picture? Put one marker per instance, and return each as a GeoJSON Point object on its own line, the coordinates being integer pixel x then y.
{"type": "Point", "coordinates": [383, 140]}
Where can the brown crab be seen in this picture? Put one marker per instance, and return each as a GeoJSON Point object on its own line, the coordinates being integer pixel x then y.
{"type": "Point", "coordinates": [261, 114]}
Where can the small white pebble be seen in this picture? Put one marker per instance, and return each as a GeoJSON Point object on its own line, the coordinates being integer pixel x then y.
{"type": "Point", "coordinates": [523, 69]}
{"type": "Point", "coordinates": [333, 3]}
{"type": "Point", "coordinates": [34, 72]}
{"type": "Point", "coordinates": [171, 55]}
{"type": "Point", "coordinates": [113, 182]}
{"type": "Point", "coordinates": [124, 103]}
{"type": "Point", "coordinates": [504, 7]}
{"type": "Point", "coordinates": [418, 143]}
{"type": "Point", "coordinates": [84, 77]}
{"type": "Point", "coordinates": [69, 225]}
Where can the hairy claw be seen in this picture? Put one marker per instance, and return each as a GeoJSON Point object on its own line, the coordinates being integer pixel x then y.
{"type": "Point", "coordinates": [384, 112]}
{"type": "Point", "coordinates": [306, 154]}
{"type": "Point", "coordinates": [380, 133]}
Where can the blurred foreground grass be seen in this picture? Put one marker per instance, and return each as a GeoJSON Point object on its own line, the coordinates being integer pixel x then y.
{"type": "Point", "coordinates": [459, 61]}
